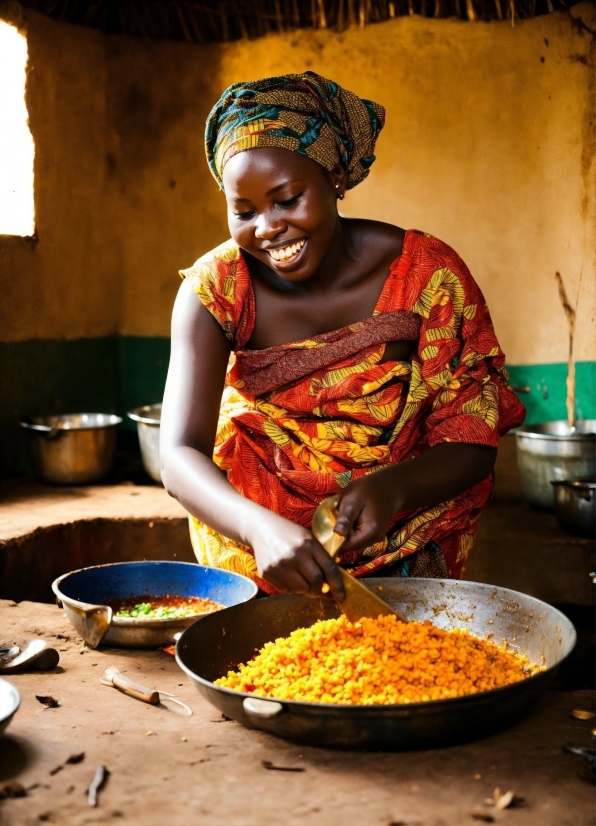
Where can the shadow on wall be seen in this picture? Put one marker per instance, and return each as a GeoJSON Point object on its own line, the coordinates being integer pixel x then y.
{"type": "Point", "coordinates": [104, 375]}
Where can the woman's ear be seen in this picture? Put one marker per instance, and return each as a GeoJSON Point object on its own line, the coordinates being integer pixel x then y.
{"type": "Point", "coordinates": [339, 180]}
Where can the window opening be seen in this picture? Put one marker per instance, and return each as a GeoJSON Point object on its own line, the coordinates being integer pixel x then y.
{"type": "Point", "coordinates": [16, 142]}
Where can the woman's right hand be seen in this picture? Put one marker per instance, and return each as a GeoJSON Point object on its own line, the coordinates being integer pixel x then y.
{"type": "Point", "coordinates": [291, 559]}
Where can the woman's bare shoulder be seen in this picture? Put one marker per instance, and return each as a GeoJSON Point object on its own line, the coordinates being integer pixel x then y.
{"type": "Point", "coordinates": [378, 238]}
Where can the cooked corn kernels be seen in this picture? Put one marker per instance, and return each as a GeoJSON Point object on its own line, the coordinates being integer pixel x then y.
{"type": "Point", "coordinates": [377, 662]}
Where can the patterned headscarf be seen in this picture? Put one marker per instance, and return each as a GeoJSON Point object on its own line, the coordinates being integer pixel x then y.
{"type": "Point", "coordinates": [304, 113]}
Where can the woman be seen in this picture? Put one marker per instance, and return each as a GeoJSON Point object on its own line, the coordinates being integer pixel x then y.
{"type": "Point", "coordinates": [362, 360]}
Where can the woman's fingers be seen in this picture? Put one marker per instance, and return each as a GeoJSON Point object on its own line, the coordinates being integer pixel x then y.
{"type": "Point", "coordinates": [287, 579]}
{"type": "Point", "coordinates": [330, 572]}
{"type": "Point", "coordinates": [361, 536]}
{"type": "Point", "coordinates": [348, 512]}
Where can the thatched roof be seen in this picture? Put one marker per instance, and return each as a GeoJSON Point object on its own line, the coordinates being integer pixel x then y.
{"type": "Point", "coordinates": [221, 20]}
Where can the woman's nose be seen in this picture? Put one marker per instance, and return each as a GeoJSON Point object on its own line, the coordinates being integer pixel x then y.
{"type": "Point", "coordinates": [268, 227]}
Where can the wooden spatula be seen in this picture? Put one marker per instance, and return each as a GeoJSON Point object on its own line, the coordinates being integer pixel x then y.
{"type": "Point", "coordinates": [360, 601]}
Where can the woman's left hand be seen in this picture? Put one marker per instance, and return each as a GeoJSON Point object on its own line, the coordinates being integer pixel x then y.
{"type": "Point", "coordinates": [365, 510]}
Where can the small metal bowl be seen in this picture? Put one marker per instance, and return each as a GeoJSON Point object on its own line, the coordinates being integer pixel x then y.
{"type": "Point", "coordinates": [85, 596]}
{"type": "Point", "coordinates": [148, 420]}
{"type": "Point", "coordinates": [575, 506]}
{"type": "Point", "coordinates": [73, 449]}
{"type": "Point", "coordinates": [10, 700]}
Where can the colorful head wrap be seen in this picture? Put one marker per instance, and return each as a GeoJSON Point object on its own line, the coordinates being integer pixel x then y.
{"type": "Point", "coordinates": [304, 113]}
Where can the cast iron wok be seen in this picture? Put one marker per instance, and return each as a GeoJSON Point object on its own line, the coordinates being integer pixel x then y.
{"type": "Point", "coordinates": [220, 641]}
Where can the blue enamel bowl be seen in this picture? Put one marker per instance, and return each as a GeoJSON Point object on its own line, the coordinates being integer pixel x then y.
{"type": "Point", "coordinates": [86, 596]}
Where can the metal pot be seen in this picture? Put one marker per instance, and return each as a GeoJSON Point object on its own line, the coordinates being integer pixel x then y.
{"type": "Point", "coordinates": [552, 452]}
{"type": "Point", "coordinates": [72, 449]}
{"type": "Point", "coordinates": [148, 420]}
{"type": "Point", "coordinates": [575, 506]}
{"type": "Point", "coordinates": [219, 642]}
{"type": "Point", "coordinates": [10, 700]}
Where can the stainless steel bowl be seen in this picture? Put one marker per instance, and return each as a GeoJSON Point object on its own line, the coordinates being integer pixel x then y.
{"type": "Point", "coordinates": [10, 700]}
{"type": "Point", "coordinates": [552, 452]}
{"type": "Point", "coordinates": [72, 449]}
{"type": "Point", "coordinates": [575, 506]}
{"type": "Point", "coordinates": [148, 420]}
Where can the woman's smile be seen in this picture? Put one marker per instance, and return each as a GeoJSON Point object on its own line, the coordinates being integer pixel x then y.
{"type": "Point", "coordinates": [288, 256]}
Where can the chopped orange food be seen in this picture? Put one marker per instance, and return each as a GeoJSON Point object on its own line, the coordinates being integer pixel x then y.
{"type": "Point", "coordinates": [374, 662]}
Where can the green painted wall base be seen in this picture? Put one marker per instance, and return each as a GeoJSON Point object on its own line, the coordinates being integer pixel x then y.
{"type": "Point", "coordinates": [546, 400]}
{"type": "Point", "coordinates": [115, 374]}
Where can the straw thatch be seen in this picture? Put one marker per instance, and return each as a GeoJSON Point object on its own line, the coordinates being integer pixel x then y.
{"type": "Point", "coordinates": [221, 20]}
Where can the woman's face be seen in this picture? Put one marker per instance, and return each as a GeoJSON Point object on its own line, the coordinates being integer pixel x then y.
{"type": "Point", "coordinates": [282, 209]}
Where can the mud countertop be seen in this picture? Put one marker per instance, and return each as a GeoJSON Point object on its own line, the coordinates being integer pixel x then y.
{"type": "Point", "coordinates": [166, 769]}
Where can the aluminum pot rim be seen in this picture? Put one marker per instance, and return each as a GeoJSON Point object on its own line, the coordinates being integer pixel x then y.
{"type": "Point", "coordinates": [126, 622]}
{"type": "Point", "coordinates": [137, 414]}
{"type": "Point", "coordinates": [115, 420]}
{"type": "Point", "coordinates": [374, 709]}
{"type": "Point", "coordinates": [526, 432]}
{"type": "Point", "coordinates": [577, 484]}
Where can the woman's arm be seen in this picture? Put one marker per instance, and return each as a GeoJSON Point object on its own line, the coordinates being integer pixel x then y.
{"type": "Point", "coordinates": [287, 554]}
{"type": "Point", "coordinates": [437, 475]}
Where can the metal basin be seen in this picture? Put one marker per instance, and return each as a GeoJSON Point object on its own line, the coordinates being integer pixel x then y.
{"type": "Point", "coordinates": [219, 642]}
{"type": "Point", "coordinates": [148, 423]}
{"type": "Point", "coordinates": [10, 700]}
{"type": "Point", "coordinates": [85, 596]}
{"type": "Point", "coordinates": [73, 449]}
{"type": "Point", "coordinates": [575, 506]}
{"type": "Point", "coordinates": [551, 452]}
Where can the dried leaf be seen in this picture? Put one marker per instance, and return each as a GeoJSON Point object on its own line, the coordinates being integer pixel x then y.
{"type": "Point", "coordinates": [47, 701]}
{"type": "Point", "coordinates": [582, 714]}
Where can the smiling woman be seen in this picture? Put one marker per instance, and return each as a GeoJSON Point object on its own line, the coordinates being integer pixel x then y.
{"type": "Point", "coordinates": [364, 362]}
{"type": "Point", "coordinates": [16, 142]}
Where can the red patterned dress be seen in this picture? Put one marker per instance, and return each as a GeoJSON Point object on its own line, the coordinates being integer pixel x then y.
{"type": "Point", "coordinates": [300, 421]}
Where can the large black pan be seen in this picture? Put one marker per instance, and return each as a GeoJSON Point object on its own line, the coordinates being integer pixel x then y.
{"type": "Point", "coordinates": [220, 641]}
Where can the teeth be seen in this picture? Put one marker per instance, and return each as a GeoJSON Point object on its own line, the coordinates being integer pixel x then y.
{"type": "Point", "coordinates": [287, 252]}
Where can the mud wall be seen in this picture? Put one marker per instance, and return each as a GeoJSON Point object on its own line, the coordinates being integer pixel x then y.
{"type": "Point", "coordinates": [488, 144]}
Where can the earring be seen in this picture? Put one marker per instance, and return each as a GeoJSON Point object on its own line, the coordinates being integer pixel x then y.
{"type": "Point", "coordinates": [341, 197]}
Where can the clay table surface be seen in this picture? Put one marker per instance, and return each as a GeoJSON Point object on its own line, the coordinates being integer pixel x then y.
{"type": "Point", "coordinates": [27, 506]}
{"type": "Point", "coordinates": [209, 771]}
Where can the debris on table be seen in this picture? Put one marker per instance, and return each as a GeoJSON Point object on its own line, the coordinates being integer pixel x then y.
{"type": "Point", "coordinates": [70, 761]}
{"type": "Point", "coordinates": [112, 677]}
{"type": "Point", "coordinates": [47, 701]}
{"type": "Point", "coordinates": [267, 764]}
{"type": "Point", "coordinates": [100, 779]}
{"type": "Point", "coordinates": [12, 789]}
{"type": "Point", "coordinates": [485, 817]}
{"type": "Point", "coordinates": [504, 800]}
{"type": "Point", "coordinates": [589, 754]}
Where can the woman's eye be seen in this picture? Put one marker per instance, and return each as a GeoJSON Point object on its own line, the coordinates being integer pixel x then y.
{"type": "Point", "coordinates": [244, 216]}
{"type": "Point", "coordinates": [290, 202]}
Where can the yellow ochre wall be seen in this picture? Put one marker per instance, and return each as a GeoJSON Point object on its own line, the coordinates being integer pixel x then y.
{"type": "Point", "coordinates": [488, 145]}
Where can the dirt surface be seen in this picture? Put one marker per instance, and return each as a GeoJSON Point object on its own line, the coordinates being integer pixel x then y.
{"type": "Point", "coordinates": [27, 506]}
{"type": "Point", "coordinates": [210, 771]}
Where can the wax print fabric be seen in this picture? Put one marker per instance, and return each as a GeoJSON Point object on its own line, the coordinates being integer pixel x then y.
{"type": "Point", "coordinates": [300, 421]}
{"type": "Point", "coordinates": [303, 113]}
